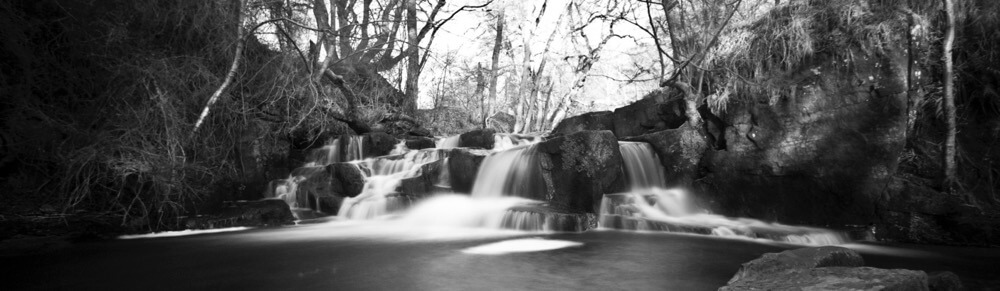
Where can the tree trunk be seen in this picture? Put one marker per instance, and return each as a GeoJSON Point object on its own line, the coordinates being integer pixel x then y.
{"type": "Point", "coordinates": [690, 100]}
{"type": "Point", "coordinates": [413, 62]}
{"type": "Point", "coordinates": [949, 94]}
{"type": "Point", "coordinates": [497, 44]}
{"type": "Point", "coordinates": [232, 69]}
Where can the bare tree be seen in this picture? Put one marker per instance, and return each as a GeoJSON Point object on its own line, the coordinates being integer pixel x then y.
{"type": "Point", "coordinates": [950, 171]}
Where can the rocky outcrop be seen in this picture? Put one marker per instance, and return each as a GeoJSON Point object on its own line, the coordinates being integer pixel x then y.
{"type": "Point", "coordinates": [266, 212]}
{"type": "Point", "coordinates": [463, 165]}
{"type": "Point", "coordinates": [479, 139]}
{"type": "Point", "coordinates": [346, 180]}
{"type": "Point", "coordinates": [648, 115]}
{"type": "Point", "coordinates": [680, 151]}
{"type": "Point", "coordinates": [822, 268]}
{"type": "Point", "coordinates": [579, 168]}
{"type": "Point", "coordinates": [601, 120]}
{"type": "Point", "coordinates": [830, 147]}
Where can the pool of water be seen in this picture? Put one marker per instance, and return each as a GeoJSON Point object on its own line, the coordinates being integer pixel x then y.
{"type": "Point", "coordinates": [374, 255]}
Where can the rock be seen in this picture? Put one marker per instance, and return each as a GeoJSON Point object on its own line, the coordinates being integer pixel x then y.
{"type": "Point", "coordinates": [346, 180]}
{"type": "Point", "coordinates": [265, 212]}
{"type": "Point", "coordinates": [944, 281]}
{"type": "Point", "coordinates": [463, 165]}
{"type": "Point", "coordinates": [530, 217]}
{"type": "Point", "coordinates": [835, 278]}
{"type": "Point", "coordinates": [425, 182]}
{"type": "Point", "coordinates": [804, 258]}
{"type": "Point", "coordinates": [416, 143]}
{"type": "Point", "coordinates": [601, 120]}
{"type": "Point", "coordinates": [480, 138]}
{"type": "Point", "coordinates": [501, 122]}
{"type": "Point", "coordinates": [821, 268]}
{"type": "Point", "coordinates": [680, 151]}
{"type": "Point", "coordinates": [646, 115]}
{"type": "Point", "coordinates": [378, 144]}
{"type": "Point", "coordinates": [579, 168]}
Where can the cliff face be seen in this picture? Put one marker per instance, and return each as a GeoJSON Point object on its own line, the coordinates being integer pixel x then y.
{"type": "Point", "coordinates": [823, 154]}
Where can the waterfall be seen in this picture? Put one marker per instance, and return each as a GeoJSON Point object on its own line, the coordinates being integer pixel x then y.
{"type": "Point", "coordinates": [505, 141]}
{"type": "Point", "coordinates": [669, 210]}
{"type": "Point", "coordinates": [383, 176]}
{"type": "Point", "coordinates": [642, 166]}
{"type": "Point", "coordinates": [514, 172]}
{"type": "Point", "coordinates": [448, 142]}
{"type": "Point", "coordinates": [311, 180]}
{"type": "Point", "coordinates": [355, 151]}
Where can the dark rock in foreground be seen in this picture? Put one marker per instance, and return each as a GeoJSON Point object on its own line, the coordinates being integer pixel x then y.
{"type": "Point", "coordinates": [805, 258]}
{"type": "Point", "coordinates": [580, 168]}
{"type": "Point", "coordinates": [836, 278]}
{"type": "Point", "coordinates": [825, 268]}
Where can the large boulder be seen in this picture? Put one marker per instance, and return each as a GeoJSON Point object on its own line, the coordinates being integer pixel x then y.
{"type": "Point", "coordinates": [836, 278]}
{"type": "Point", "coordinates": [377, 144]}
{"type": "Point", "coordinates": [648, 115]}
{"type": "Point", "coordinates": [346, 180]}
{"type": "Point", "coordinates": [601, 120]}
{"type": "Point", "coordinates": [463, 166]}
{"type": "Point", "coordinates": [425, 182]}
{"type": "Point", "coordinates": [821, 268]}
{"type": "Point", "coordinates": [416, 143]}
{"type": "Point", "coordinates": [680, 151]}
{"type": "Point", "coordinates": [579, 168]}
{"type": "Point", "coordinates": [480, 138]}
{"type": "Point", "coordinates": [804, 258]}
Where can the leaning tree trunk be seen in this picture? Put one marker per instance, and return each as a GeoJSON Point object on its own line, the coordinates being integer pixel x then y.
{"type": "Point", "coordinates": [949, 94]}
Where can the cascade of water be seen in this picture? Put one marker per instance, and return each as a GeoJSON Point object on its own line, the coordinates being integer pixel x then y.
{"type": "Point", "coordinates": [642, 165]}
{"type": "Point", "coordinates": [383, 176]}
{"type": "Point", "coordinates": [463, 211]}
{"type": "Point", "coordinates": [505, 141]}
{"type": "Point", "coordinates": [669, 210]}
{"type": "Point", "coordinates": [447, 142]}
{"type": "Point", "coordinates": [514, 172]}
{"type": "Point", "coordinates": [355, 150]}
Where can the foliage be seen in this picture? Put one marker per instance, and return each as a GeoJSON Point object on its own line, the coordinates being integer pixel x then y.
{"type": "Point", "coordinates": [103, 97]}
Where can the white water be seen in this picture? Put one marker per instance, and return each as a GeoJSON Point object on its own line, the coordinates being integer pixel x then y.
{"type": "Point", "coordinates": [657, 208]}
{"type": "Point", "coordinates": [514, 172]}
{"type": "Point", "coordinates": [379, 197]}
{"type": "Point", "coordinates": [463, 211]}
{"type": "Point", "coordinates": [310, 179]}
{"type": "Point", "coordinates": [506, 141]}
{"type": "Point", "coordinates": [520, 246]}
{"type": "Point", "coordinates": [447, 142]}
{"type": "Point", "coordinates": [642, 166]}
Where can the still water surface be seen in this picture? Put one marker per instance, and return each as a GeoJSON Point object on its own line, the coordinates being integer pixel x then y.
{"type": "Point", "coordinates": [344, 255]}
